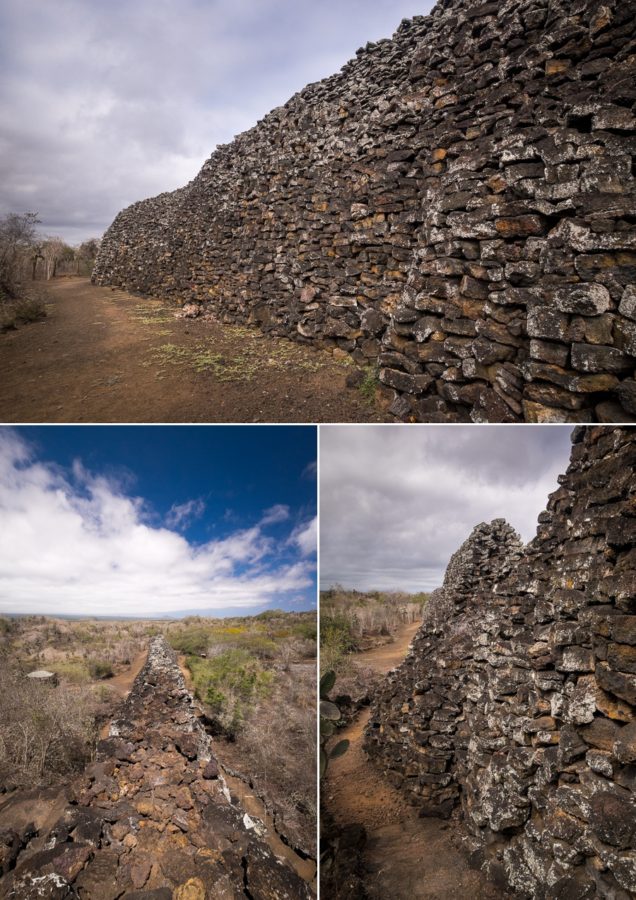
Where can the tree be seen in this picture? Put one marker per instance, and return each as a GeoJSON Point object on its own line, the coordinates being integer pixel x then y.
{"type": "Point", "coordinates": [55, 250]}
{"type": "Point", "coordinates": [17, 238]}
{"type": "Point", "coordinates": [85, 255]}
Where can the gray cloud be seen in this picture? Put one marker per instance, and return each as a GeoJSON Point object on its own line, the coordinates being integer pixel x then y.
{"type": "Point", "coordinates": [396, 502]}
{"type": "Point", "coordinates": [105, 104]}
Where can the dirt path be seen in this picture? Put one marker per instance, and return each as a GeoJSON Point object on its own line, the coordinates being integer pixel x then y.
{"type": "Point", "coordinates": [405, 857]}
{"type": "Point", "coordinates": [123, 682]}
{"type": "Point", "coordinates": [103, 355]}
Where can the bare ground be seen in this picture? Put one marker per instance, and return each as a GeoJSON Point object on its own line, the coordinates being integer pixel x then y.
{"type": "Point", "coordinates": [405, 857]}
{"type": "Point", "coordinates": [103, 355]}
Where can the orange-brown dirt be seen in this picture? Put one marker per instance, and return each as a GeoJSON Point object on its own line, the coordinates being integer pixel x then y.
{"type": "Point", "coordinates": [405, 856]}
{"type": "Point", "coordinates": [103, 355]}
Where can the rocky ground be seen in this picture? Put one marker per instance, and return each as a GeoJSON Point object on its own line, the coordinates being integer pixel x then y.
{"type": "Point", "coordinates": [151, 818]}
{"type": "Point", "coordinates": [102, 355]}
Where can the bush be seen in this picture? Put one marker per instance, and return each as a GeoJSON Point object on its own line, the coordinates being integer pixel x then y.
{"type": "Point", "coordinates": [193, 641]}
{"type": "Point", "coordinates": [47, 732]}
{"type": "Point", "coordinates": [336, 639]}
{"type": "Point", "coordinates": [230, 683]}
{"type": "Point", "coordinates": [100, 668]}
{"type": "Point", "coordinates": [17, 312]}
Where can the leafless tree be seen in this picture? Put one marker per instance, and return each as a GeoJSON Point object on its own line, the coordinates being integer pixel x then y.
{"type": "Point", "coordinates": [17, 238]}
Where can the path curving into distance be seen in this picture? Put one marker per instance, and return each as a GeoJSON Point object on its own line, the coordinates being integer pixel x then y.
{"type": "Point", "coordinates": [406, 857]}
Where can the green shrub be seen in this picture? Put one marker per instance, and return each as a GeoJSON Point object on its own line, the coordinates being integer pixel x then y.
{"type": "Point", "coordinates": [100, 668]}
{"type": "Point", "coordinates": [192, 640]}
{"type": "Point", "coordinates": [230, 683]}
{"type": "Point", "coordinates": [307, 630]}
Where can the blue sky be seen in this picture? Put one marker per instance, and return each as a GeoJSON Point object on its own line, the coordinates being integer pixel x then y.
{"type": "Point", "coordinates": [158, 520]}
{"type": "Point", "coordinates": [103, 104]}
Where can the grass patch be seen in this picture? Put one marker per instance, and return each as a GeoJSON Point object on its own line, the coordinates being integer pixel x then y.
{"type": "Point", "coordinates": [151, 315]}
{"type": "Point", "coordinates": [369, 385]}
{"type": "Point", "coordinates": [74, 670]}
{"type": "Point", "coordinates": [230, 365]}
{"type": "Point", "coordinates": [230, 683]}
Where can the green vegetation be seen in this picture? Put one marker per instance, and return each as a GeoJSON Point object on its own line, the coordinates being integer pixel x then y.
{"type": "Point", "coordinates": [100, 668]}
{"type": "Point", "coordinates": [369, 384]}
{"type": "Point", "coordinates": [231, 660]}
{"type": "Point", "coordinates": [348, 619]}
{"type": "Point", "coordinates": [230, 683]}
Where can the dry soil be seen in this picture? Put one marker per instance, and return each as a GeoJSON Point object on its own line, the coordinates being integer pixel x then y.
{"type": "Point", "coordinates": [406, 857]}
{"type": "Point", "coordinates": [103, 355]}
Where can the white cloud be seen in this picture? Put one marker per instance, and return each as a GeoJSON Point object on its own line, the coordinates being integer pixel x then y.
{"type": "Point", "coordinates": [78, 544]}
{"type": "Point", "coordinates": [275, 514]}
{"type": "Point", "coordinates": [103, 104]}
{"type": "Point", "coordinates": [181, 515]}
{"type": "Point", "coordinates": [311, 470]}
{"type": "Point", "coordinates": [396, 502]}
{"type": "Point", "coordinates": [306, 537]}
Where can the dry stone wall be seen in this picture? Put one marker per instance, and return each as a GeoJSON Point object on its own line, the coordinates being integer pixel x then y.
{"type": "Point", "coordinates": [455, 206]}
{"type": "Point", "coordinates": [152, 818]}
{"type": "Point", "coordinates": [515, 706]}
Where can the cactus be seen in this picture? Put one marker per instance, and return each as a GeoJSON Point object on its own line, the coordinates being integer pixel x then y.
{"type": "Point", "coordinates": [329, 715]}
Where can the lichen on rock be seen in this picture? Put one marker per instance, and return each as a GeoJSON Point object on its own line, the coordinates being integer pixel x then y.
{"type": "Point", "coordinates": [455, 205]}
{"type": "Point", "coordinates": [515, 708]}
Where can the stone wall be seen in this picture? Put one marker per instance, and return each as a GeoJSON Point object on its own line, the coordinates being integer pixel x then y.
{"type": "Point", "coordinates": [152, 818]}
{"type": "Point", "coordinates": [515, 706]}
{"type": "Point", "coordinates": [455, 206]}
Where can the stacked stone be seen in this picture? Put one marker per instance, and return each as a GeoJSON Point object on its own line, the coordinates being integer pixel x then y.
{"type": "Point", "coordinates": [526, 702]}
{"type": "Point", "coordinates": [152, 818]}
{"type": "Point", "coordinates": [455, 206]}
{"type": "Point", "coordinates": [417, 722]}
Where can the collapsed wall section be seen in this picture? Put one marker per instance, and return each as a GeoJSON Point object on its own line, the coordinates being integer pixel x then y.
{"type": "Point", "coordinates": [152, 818]}
{"type": "Point", "coordinates": [456, 206]}
{"type": "Point", "coordinates": [517, 712]}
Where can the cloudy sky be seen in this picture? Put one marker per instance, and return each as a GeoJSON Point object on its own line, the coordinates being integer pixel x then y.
{"type": "Point", "coordinates": [147, 521]}
{"type": "Point", "coordinates": [395, 503]}
{"type": "Point", "coordinates": [103, 104]}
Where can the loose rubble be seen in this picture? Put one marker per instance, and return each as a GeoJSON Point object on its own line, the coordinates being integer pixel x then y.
{"type": "Point", "coordinates": [515, 706]}
{"type": "Point", "coordinates": [455, 206]}
{"type": "Point", "coordinates": [151, 818]}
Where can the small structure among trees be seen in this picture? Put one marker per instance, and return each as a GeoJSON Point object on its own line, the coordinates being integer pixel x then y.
{"type": "Point", "coordinates": [42, 676]}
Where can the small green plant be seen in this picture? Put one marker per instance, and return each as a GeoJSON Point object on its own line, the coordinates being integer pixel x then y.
{"type": "Point", "coordinates": [329, 715]}
{"type": "Point", "coordinates": [369, 384]}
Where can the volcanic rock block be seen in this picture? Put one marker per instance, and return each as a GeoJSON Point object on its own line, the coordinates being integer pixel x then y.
{"type": "Point", "coordinates": [515, 708]}
{"type": "Point", "coordinates": [470, 177]}
{"type": "Point", "coordinates": [152, 816]}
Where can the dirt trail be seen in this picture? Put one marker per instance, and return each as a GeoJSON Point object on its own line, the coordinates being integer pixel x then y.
{"type": "Point", "coordinates": [406, 857]}
{"type": "Point", "coordinates": [123, 683]}
{"type": "Point", "coordinates": [102, 355]}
